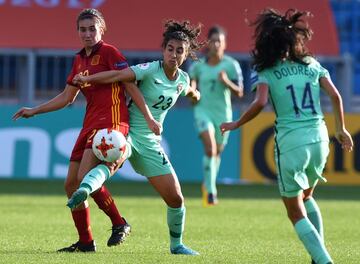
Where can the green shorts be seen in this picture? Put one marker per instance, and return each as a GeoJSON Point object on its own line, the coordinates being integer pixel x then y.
{"type": "Point", "coordinates": [204, 122]}
{"type": "Point", "coordinates": [148, 158]}
{"type": "Point", "coordinates": [301, 168]}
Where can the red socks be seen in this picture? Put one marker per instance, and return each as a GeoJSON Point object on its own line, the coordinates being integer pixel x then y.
{"type": "Point", "coordinates": [82, 223]}
{"type": "Point", "coordinates": [103, 199]}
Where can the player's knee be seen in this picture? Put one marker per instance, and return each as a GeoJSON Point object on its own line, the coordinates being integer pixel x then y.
{"type": "Point", "coordinates": [210, 152]}
{"type": "Point", "coordinates": [295, 216]}
{"type": "Point", "coordinates": [176, 201]}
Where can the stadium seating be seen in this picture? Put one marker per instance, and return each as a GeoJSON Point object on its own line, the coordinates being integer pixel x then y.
{"type": "Point", "coordinates": [347, 17]}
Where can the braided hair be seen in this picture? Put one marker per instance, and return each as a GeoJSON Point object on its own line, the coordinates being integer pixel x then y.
{"type": "Point", "coordinates": [276, 37]}
{"type": "Point", "coordinates": [183, 31]}
{"type": "Point", "coordinates": [90, 13]}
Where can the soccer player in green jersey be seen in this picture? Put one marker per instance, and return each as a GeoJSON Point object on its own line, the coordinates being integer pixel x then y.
{"type": "Point", "coordinates": [161, 83]}
{"type": "Point", "coordinates": [292, 79]}
{"type": "Point", "coordinates": [217, 76]}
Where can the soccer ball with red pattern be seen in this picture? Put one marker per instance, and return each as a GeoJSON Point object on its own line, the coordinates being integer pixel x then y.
{"type": "Point", "coordinates": [109, 145]}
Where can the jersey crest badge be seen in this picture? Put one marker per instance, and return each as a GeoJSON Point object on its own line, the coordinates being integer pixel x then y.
{"type": "Point", "coordinates": [95, 60]}
{"type": "Point", "coordinates": [180, 87]}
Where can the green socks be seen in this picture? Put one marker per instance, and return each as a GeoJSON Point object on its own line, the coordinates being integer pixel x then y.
{"type": "Point", "coordinates": [95, 178]}
{"type": "Point", "coordinates": [176, 222]}
{"type": "Point", "coordinates": [210, 171]}
{"type": "Point", "coordinates": [312, 241]}
{"type": "Point", "coordinates": [314, 215]}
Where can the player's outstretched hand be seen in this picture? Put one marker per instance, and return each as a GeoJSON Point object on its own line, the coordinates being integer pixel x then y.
{"type": "Point", "coordinates": [196, 97]}
{"type": "Point", "coordinates": [344, 138]}
{"type": "Point", "coordinates": [227, 126]}
{"type": "Point", "coordinates": [24, 112]}
{"type": "Point", "coordinates": [79, 79]}
{"type": "Point", "coordinates": [155, 126]}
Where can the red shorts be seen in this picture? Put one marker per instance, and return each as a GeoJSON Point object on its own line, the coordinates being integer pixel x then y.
{"type": "Point", "coordinates": [85, 140]}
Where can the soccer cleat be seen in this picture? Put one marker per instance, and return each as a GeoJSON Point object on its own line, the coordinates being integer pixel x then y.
{"type": "Point", "coordinates": [208, 199]}
{"type": "Point", "coordinates": [313, 262]}
{"type": "Point", "coordinates": [183, 250]}
{"type": "Point", "coordinates": [118, 234]}
{"type": "Point", "coordinates": [80, 247]}
{"type": "Point", "coordinates": [78, 197]}
{"type": "Point", "coordinates": [212, 199]}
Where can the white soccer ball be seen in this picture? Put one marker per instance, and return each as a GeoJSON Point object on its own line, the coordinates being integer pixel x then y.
{"type": "Point", "coordinates": [109, 145]}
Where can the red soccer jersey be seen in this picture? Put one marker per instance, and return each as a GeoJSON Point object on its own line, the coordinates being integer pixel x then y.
{"type": "Point", "coordinates": [106, 103]}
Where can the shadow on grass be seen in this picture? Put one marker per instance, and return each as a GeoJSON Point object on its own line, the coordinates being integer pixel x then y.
{"type": "Point", "coordinates": [190, 190]}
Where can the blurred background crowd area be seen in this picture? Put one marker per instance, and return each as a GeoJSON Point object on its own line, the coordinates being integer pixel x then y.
{"type": "Point", "coordinates": [40, 40]}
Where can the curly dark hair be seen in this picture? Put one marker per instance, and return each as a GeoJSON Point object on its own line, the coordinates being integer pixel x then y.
{"type": "Point", "coordinates": [276, 36]}
{"type": "Point", "coordinates": [183, 31]}
{"type": "Point", "coordinates": [92, 13]}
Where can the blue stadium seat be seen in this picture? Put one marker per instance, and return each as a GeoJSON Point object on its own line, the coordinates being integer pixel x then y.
{"type": "Point", "coordinates": [347, 17]}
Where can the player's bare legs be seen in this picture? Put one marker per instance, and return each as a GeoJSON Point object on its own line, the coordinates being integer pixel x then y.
{"type": "Point", "coordinates": [305, 229]}
{"type": "Point", "coordinates": [81, 215]}
{"type": "Point", "coordinates": [94, 179]}
{"type": "Point", "coordinates": [313, 213]}
{"type": "Point", "coordinates": [169, 189]}
{"type": "Point", "coordinates": [102, 197]}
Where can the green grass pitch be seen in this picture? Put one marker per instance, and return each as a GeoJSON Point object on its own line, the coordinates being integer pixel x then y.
{"type": "Point", "coordinates": [248, 226]}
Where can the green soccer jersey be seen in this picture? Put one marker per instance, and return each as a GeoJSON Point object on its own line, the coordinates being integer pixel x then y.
{"type": "Point", "coordinates": [160, 95]}
{"type": "Point", "coordinates": [294, 91]}
{"type": "Point", "coordinates": [215, 96]}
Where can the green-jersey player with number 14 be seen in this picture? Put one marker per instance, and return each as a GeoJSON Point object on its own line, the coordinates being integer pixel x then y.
{"type": "Point", "coordinates": [161, 83]}
{"type": "Point", "coordinates": [292, 79]}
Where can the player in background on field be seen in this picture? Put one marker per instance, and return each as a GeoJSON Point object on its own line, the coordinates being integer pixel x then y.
{"type": "Point", "coordinates": [217, 76]}
{"type": "Point", "coordinates": [106, 108]}
{"type": "Point", "coordinates": [292, 79]}
{"type": "Point", "coordinates": [161, 83]}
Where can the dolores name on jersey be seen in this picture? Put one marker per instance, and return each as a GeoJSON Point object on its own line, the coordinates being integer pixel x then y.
{"type": "Point", "coordinates": [294, 91]}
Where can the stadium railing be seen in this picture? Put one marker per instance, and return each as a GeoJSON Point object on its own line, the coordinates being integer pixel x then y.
{"type": "Point", "coordinates": [30, 76]}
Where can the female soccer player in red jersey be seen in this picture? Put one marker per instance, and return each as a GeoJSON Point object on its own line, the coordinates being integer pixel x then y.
{"type": "Point", "coordinates": [106, 108]}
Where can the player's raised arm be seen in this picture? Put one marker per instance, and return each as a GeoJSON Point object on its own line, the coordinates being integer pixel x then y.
{"type": "Point", "coordinates": [126, 75]}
